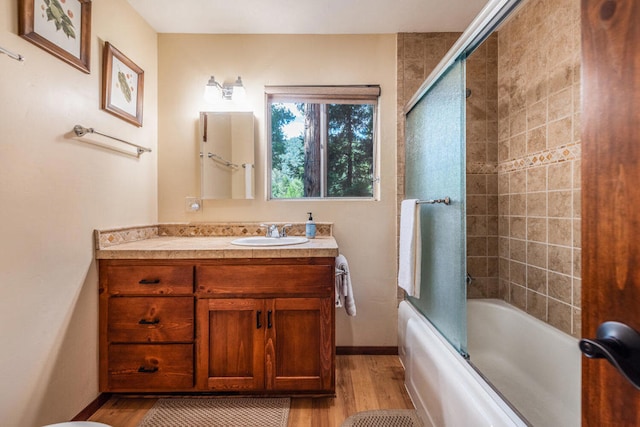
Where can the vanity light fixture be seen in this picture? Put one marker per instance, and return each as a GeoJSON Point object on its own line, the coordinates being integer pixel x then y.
{"type": "Point", "coordinates": [214, 91]}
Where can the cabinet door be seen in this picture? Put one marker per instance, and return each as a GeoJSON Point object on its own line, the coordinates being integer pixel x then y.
{"type": "Point", "coordinates": [300, 345]}
{"type": "Point", "coordinates": [230, 344]}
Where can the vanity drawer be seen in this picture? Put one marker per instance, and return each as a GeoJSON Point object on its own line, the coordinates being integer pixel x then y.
{"type": "Point", "coordinates": [151, 319]}
{"type": "Point", "coordinates": [265, 280]}
{"type": "Point", "coordinates": [150, 279]}
{"type": "Point", "coordinates": [157, 367]}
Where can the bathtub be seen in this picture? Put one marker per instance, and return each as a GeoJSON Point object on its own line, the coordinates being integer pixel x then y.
{"type": "Point", "coordinates": [508, 346]}
{"type": "Point", "coordinates": [512, 349]}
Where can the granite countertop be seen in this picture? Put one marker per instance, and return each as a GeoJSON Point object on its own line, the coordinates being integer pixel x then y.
{"type": "Point", "coordinates": [191, 242]}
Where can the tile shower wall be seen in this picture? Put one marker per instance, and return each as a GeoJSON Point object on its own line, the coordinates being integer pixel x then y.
{"type": "Point", "coordinates": [539, 162]}
{"type": "Point", "coordinates": [482, 172]}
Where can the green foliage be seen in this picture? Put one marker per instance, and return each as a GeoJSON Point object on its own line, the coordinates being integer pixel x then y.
{"type": "Point", "coordinates": [350, 156]}
{"type": "Point", "coordinates": [284, 186]}
{"type": "Point", "coordinates": [280, 116]}
{"type": "Point", "coordinates": [61, 20]}
{"type": "Point", "coordinates": [124, 86]}
{"type": "Point", "coordinates": [288, 170]}
{"type": "Point", "coordinates": [349, 169]}
{"type": "Point", "coordinates": [287, 156]}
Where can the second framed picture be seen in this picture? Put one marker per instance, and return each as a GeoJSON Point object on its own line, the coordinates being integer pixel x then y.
{"type": "Point", "coordinates": [122, 86]}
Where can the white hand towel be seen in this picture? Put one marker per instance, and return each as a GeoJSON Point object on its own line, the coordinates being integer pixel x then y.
{"type": "Point", "coordinates": [344, 289]}
{"type": "Point", "coordinates": [410, 248]}
{"type": "Point", "coordinates": [248, 180]}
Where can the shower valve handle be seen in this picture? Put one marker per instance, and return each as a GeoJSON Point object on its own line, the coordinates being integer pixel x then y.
{"type": "Point", "coordinates": [620, 345]}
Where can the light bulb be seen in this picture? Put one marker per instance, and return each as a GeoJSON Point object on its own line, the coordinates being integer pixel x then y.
{"type": "Point", "coordinates": [212, 91]}
{"type": "Point", "coordinates": [239, 93]}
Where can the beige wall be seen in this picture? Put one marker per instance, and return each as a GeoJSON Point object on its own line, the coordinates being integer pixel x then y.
{"type": "Point", "coordinates": [54, 192]}
{"type": "Point", "coordinates": [365, 230]}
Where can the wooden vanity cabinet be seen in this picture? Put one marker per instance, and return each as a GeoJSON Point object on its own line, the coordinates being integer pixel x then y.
{"type": "Point", "coordinates": [218, 325]}
{"type": "Point", "coordinates": [266, 327]}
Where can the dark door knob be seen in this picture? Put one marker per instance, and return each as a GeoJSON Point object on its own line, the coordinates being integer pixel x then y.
{"type": "Point", "coordinates": [620, 345]}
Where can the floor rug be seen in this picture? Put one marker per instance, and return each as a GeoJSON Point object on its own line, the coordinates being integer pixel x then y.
{"type": "Point", "coordinates": [384, 418]}
{"type": "Point", "coordinates": [222, 412]}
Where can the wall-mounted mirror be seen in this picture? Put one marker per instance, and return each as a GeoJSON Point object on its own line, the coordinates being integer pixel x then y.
{"type": "Point", "coordinates": [227, 155]}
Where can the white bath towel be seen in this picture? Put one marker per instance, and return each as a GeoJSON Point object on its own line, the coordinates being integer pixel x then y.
{"type": "Point", "coordinates": [344, 289]}
{"type": "Point", "coordinates": [410, 248]}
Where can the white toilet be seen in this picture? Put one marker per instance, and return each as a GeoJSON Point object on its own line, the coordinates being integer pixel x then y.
{"type": "Point", "coordinates": [78, 424]}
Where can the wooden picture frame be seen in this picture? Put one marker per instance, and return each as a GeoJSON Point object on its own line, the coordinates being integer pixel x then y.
{"type": "Point", "coordinates": [61, 28]}
{"type": "Point", "coordinates": [122, 86]}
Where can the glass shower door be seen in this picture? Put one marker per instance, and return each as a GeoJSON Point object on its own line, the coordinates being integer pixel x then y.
{"type": "Point", "coordinates": [435, 169]}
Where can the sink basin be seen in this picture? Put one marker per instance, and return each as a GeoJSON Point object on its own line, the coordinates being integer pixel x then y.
{"type": "Point", "coordinates": [269, 241]}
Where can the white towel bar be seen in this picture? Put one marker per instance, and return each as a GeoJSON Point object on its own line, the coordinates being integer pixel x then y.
{"type": "Point", "coordinates": [10, 54]}
{"type": "Point", "coordinates": [82, 131]}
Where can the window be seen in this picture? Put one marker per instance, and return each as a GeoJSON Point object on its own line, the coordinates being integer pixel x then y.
{"type": "Point", "coordinates": [322, 141]}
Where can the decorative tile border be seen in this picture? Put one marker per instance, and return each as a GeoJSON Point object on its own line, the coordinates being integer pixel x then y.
{"type": "Point", "coordinates": [546, 157]}
{"type": "Point", "coordinates": [108, 238]}
{"type": "Point", "coordinates": [236, 229]}
{"type": "Point", "coordinates": [209, 230]}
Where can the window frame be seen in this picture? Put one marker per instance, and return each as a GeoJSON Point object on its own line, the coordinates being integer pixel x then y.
{"type": "Point", "coordinates": [323, 95]}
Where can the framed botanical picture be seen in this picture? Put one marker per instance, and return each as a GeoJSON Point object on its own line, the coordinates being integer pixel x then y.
{"type": "Point", "coordinates": [122, 86]}
{"type": "Point", "coordinates": [61, 27]}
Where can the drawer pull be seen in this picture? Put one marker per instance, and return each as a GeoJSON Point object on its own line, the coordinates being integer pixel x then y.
{"type": "Point", "coordinates": [149, 281]}
{"type": "Point", "coordinates": [144, 370]}
{"type": "Point", "coordinates": [149, 322]}
{"type": "Point", "coordinates": [258, 323]}
{"type": "Point", "coordinates": [269, 313]}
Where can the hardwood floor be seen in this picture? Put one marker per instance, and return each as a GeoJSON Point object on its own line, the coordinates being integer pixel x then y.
{"type": "Point", "coordinates": [363, 383]}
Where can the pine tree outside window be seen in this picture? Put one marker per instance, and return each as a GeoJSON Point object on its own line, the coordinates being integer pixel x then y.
{"type": "Point", "coordinates": [322, 141]}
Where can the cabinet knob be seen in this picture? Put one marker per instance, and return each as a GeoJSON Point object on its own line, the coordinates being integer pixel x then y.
{"type": "Point", "coordinates": [145, 370]}
{"type": "Point", "coordinates": [258, 316]}
{"type": "Point", "coordinates": [149, 281]}
{"type": "Point", "coordinates": [149, 322]}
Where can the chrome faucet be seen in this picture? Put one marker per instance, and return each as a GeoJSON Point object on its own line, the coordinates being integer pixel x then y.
{"type": "Point", "coordinates": [283, 230]}
{"type": "Point", "coordinates": [272, 230]}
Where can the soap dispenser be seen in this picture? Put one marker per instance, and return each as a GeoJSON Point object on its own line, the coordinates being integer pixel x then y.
{"type": "Point", "coordinates": [310, 231]}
